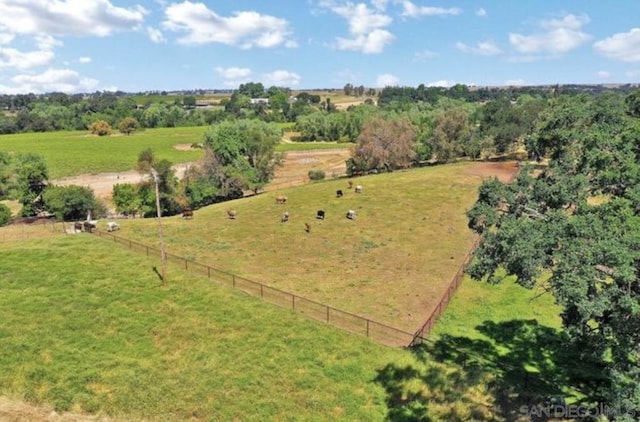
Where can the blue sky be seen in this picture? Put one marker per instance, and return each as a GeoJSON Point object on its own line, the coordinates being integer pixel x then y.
{"type": "Point", "coordinates": [141, 45]}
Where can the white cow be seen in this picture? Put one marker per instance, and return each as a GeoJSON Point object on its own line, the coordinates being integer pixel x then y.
{"type": "Point", "coordinates": [112, 226]}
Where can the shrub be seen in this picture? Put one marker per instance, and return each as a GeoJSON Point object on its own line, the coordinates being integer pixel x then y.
{"type": "Point", "coordinates": [316, 175]}
{"type": "Point", "coordinates": [5, 215]}
{"type": "Point", "coordinates": [100, 128]}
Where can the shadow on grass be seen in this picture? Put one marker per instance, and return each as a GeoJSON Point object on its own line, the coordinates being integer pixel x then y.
{"type": "Point", "coordinates": [518, 367]}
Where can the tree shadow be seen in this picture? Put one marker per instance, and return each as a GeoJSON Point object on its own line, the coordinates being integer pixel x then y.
{"type": "Point", "coordinates": [517, 370]}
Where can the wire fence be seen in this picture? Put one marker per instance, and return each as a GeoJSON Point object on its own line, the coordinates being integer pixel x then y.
{"type": "Point", "coordinates": [426, 328]}
{"type": "Point", "coordinates": [347, 321]}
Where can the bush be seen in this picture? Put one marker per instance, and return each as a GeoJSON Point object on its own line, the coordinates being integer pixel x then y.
{"type": "Point", "coordinates": [100, 128]}
{"type": "Point", "coordinates": [316, 175]}
{"type": "Point", "coordinates": [5, 215]}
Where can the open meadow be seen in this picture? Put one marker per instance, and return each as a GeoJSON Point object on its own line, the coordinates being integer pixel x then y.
{"type": "Point", "coordinates": [390, 264]}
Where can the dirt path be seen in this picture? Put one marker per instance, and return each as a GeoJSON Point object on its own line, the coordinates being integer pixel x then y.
{"type": "Point", "coordinates": [293, 172]}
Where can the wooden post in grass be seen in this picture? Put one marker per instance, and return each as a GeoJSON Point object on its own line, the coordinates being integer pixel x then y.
{"type": "Point", "coordinates": [163, 255]}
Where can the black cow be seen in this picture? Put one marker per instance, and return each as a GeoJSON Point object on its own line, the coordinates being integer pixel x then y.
{"type": "Point", "coordinates": [339, 193]}
{"type": "Point", "coordinates": [320, 215]}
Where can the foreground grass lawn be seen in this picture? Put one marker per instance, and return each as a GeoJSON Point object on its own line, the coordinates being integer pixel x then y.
{"type": "Point", "coordinates": [86, 326]}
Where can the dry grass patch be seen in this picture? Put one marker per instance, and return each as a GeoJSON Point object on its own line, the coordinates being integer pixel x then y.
{"type": "Point", "coordinates": [391, 264]}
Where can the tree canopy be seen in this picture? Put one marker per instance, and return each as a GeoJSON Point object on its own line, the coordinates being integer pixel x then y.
{"type": "Point", "coordinates": [574, 226]}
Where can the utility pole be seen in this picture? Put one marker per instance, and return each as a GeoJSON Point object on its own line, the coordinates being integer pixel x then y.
{"type": "Point", "coordinates": [163, 255]}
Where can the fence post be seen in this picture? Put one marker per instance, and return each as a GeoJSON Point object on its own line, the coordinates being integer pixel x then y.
{"type": "Point", "coordinates": [186, 265]}
{"type": "Point", "coordinates": [293, 302]}
{"type": "Point", "coordinates": [327, 314]}
{"type": "Point", "coordinates": [147, 248]}
{"type": "Point", "coordinates": [367, 328]}
{"type": "Point", "coordinates": [234, 280]}
{"type": "Point", "coordinates": [208, 272]}
{"type": "Point", "coordinates": [262, 291]}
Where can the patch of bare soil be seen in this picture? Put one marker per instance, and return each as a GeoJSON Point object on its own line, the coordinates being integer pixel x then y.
{"type": "Point", "coordinates": [294, 171]}
{"type": "Point", "coordinates": [503, 170]}
{"type": "Point", "coordinates": [17, 411]}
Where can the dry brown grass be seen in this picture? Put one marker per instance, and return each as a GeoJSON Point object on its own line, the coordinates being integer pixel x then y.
{"type": "Point", "coordinates": [392, 264]}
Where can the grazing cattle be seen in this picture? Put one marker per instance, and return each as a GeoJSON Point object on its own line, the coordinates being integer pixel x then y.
{"type": "Point", "coordinates": [350, 184]}
{"type": "Point", "coordinates": [232, 214]}
{"type": "Point", "coordinates": [307, 227]}
{"type": "Point", "coordinates": [285, 217]}
{"type": "Point", "coordinates": [339, 193]}
{"type": "Point", "coordinates": [358, 188]}
{"type": "Point", "coordinates": [281, 199]}
{"type": "Point", "coordinates": [351, 215]}
{"type": "Point", "coordinates": [320, 214]}
{"type": "Point", "coordinates": [89, 226]}
{"type": "Point", "coordinates": [77, 227]}
{"type": "Point", "coordinates": [187, 214]}
{"type": "Point", "coordinates": [112, 226]}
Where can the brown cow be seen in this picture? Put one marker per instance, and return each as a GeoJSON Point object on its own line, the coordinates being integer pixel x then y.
{"type": "Point", "coordinates": [281, 199]}
{"type": "Point", "coordinates": [187, 214]}
{"type": "Point", "coordinates": [307, 227]}
{"type": "Point", "coordinates": [232, 214]}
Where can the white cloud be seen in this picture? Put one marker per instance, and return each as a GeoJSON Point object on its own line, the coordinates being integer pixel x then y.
{"type": "Point", "coordinates": [371, 43]}
{"type": "Point", "coordinates": [234, 76]}
{"type": "Point", "coordinates": [622, 46]}
{"type": "Point", "coordinates": [68, 17]}
{"type": "Point", "coordinates": [557, 36]}
{"type": "Point", "coordinates": [12, 58]}
{"type": "Point", "coordinates": [233, 72]}
{"type": "Point", "coordinates": [6, 38]}
{"type": "Point", "coordinates": [484, 48]}
{"type": "Point", "coordinates": [603, 74]}
{"type": "Point", "coordinates": [155, 35]}
{"type": "Point", "coordinates": [387, 80]}
{"type": "Point", "coordinates": [282, 78]}
{"type": "Point", "coordinates": [410, 10]}
{"type": "Point", "coordinates": [201, 25]}
{"type": "Point", "coordinates": [481, 12]}
{"type": "Point", "coordinates": [635, 74]}
{"type": "Point", "coordinates": [366, 26]}
{"type": "Point", "coordinates": [379, 4]}
{"type": "Point", "coordinates": [442, 83]}
{"type": "Point", "coordinates": [421, 56]}
{"type": "Point", "coordinates": [58, 80]}
{"type": "Point", "coordinates": [84, 60]}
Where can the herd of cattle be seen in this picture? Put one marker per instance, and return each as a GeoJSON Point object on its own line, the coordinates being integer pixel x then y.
{"type": "Point", "coordinates": [90, 225]}
{"type": "Point", "coordinates": [282, 200]}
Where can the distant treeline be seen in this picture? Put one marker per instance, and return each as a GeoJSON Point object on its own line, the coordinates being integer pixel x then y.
{"type": "Point", "coordinates": [59, 111]}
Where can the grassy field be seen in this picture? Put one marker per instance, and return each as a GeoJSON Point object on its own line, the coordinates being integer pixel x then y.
{"type": "Point", "coordinates": [72, 153]}
{"type": "Point", "coordinates": [391, 264]}
{"type": "Point", "coordinates": [78, 152]}
{"type": "Point", "coordinates": [87, 327]}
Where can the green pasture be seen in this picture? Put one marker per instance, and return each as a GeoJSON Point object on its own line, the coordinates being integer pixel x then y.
{"type": "Point", "coordinates": [87, 327]}
{"type": "Point", "coordinates": [79, 152]}
{"type": "Point", "coordinates": [391, 264]}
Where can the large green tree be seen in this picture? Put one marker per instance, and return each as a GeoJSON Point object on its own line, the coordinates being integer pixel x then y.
{"type": "Point", "coordinates": [31, 179]}
{"type": "Point", "coordinates": [243, 153]}
{"type": "Point", "coordinates": [574, 227]}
